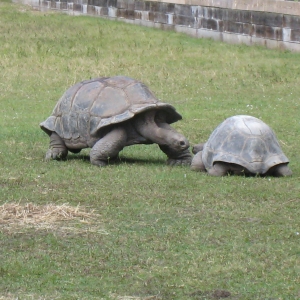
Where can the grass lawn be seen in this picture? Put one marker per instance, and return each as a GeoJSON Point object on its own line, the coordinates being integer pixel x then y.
{"type": "Point", "coordinates": [140, 229]}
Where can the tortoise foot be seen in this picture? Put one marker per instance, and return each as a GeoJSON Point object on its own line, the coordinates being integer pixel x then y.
{"type": "Point", "coordinates": [57, 154]}
{"type": "Point", "coordinates": [179, 162]}
{"type": "Point", "coordinates": [99, 163]}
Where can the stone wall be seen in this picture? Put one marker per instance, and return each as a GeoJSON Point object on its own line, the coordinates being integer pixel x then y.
{"type": "Point", "coordinates": [274, 24]}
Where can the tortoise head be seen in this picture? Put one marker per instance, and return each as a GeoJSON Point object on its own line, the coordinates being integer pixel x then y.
{"type": "Point", "coordinates": [152, 125]}
{"type": "Point", "coordinates": [174, 140]}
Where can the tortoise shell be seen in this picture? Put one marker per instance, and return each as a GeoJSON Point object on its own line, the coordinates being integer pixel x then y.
{"type": "Point", "coordinates": [245, 141]}
{"type": "Point", "coordinates": [88, 106]}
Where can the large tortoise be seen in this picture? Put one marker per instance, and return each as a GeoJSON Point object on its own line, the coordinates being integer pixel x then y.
{"type": "Point", "coordinates": [109, 113]}
{"type": "Point", "coordinates": [241, 145]}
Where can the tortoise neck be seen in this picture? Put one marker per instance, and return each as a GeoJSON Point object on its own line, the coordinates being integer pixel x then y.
{"type": "Point", "coordinates": [152, 128]}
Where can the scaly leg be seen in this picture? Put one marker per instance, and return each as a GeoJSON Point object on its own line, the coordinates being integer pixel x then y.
{"type": "Point", "coordinates": [219, 169]}
{"type": "Point", "coordinates": [57, 148]}
{"type": "Point", "coordinates": [197, 162]}
{"type": "Point", "coordinates": [108, 147]}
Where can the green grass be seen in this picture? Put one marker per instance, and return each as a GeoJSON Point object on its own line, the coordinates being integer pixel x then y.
{"type": "Point", "coordinates": [169, 233]}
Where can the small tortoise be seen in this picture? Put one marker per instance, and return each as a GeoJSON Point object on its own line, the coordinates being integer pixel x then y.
{"type": "Point", "coordinates": [241, 145]}
{"type": "Point", "coordinates": [109, 113]}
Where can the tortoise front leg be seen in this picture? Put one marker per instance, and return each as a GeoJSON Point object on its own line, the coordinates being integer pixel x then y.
{"type": "Point", "coordinates": [108, 147]}
{"type": "Point", "coordinates": [197, 162]}
{"type": "Point", "coordinates": [57, 148]}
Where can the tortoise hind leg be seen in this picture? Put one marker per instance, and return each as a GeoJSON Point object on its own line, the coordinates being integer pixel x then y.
{"type": "Point", "coordinates": [219, 169]}
{"type": "Point", "coordinates": [280, 170]}
{"type": "Point", "coordinates": [57, 148]}
{"type": "Point", "coordinates": [108, 147]}
{"type": "Point", "coordinates": [223, 168]}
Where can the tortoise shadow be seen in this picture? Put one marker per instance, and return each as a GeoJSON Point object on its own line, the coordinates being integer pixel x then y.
{"type": "Point", "coordinates": [121, 160]}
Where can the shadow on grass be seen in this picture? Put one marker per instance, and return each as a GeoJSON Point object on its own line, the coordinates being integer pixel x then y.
{"type": "Point", "coordinates": [121, 160]}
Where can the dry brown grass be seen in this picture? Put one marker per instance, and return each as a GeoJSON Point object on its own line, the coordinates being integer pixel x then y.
{"type": "Point", "coordinates": [31, 214]}
{"type": "Point", "coordinates": [10, 296]}
{"type": "Point", "coordinates": [116, 297]}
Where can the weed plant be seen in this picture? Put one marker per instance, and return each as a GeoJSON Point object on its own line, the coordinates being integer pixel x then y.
{"type": "Point", "coordinates": [160, 232]}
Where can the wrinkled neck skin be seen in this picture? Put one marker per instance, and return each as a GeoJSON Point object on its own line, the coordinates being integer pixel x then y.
{"type": "Point", "coordinates": [152, 126]}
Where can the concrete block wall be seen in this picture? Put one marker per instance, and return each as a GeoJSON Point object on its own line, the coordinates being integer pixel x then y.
{"type": "Point", "coordinates": [272, 23]}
